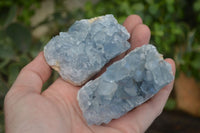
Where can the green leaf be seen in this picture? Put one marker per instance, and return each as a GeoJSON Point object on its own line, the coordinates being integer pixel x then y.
{"type": "Point", "coordinates": [150, 1]}
{"type": "Point", "coordinates": [3, 88]}
{"type": "Point", "coordinates": [121, 19]}
{"type": "Point", "coordinates": [197, 5]}
{"type": "Point", "coordinates": [170, 8]}
{"type": "Point", "coordinates": [4, 63]}
{"type": "Point", "coordinates": [153, 9]}
{"type": "Point", "coordinates": [169, 2]}
{"type": "Point", "coordinates": [2, 125]}
{"type": "Point", "coordinates": [196, 62]}
{"type": "Point", "coordinates": [171, 104]}
{"type": "Point", "coordinates": [20, 36]}
{"type": "Point", "coordinates": [11, 15]}
{"type": "Point", "coordinates": [23, 60]}
{"type": "Point", "coordinates": [125, 8]}
{"type": "Point", "coordinates": [158, 29]}
{"type": "Point", "coordinates": [190, 41]}
{"type": "Point", "coordinates": [6, 51]}
{"type": "Point", "coordinates": [13, 71]}
{"type": "Point", "coordinates": [138, 7]}
{"type": "Point", "coordinates": [35, 48]}
{"type": "Point", "coordinates": [2, 36]}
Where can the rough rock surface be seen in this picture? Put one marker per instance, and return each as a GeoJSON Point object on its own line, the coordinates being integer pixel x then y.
{"type": "Point", "coordinates": [87, 46]}
{"type": "Point", "coordinates": [125, 84]}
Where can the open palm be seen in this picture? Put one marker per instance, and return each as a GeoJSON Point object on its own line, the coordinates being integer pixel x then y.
{"type": "Point", "coordinates": [56, 110]}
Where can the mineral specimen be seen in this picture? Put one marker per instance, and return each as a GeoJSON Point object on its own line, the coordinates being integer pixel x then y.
{"type": "Point", "coordinates": [87, 46]}
{"type": "Point", "coordinates": [125, 84]}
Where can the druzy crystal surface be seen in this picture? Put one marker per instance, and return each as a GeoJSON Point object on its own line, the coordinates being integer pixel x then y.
{"type": "Point", "coordinates": [87, 46]}
{"type": "Point", "coordinates": [125, 85]}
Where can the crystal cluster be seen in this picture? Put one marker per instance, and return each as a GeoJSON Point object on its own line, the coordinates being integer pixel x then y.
{"type": "Point", "coordinates": [125, 84]}
{"type": "Point", "coordinates": [87, 46]}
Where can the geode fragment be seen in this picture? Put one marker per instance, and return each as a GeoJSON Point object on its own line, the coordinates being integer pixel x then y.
{"type": "Point", "coordinates": [125, 84]}
{"type": "Point", "coordinates": [87, 46]}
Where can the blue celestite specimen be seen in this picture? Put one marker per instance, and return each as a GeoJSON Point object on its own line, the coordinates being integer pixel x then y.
{"type": "Point", "coordinates": [87, 46]}
{"type": "Point", "coordinates": [125, 84]}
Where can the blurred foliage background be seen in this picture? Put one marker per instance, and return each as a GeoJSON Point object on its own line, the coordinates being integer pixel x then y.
{"type": "Point", "coordinates": [27, 25]}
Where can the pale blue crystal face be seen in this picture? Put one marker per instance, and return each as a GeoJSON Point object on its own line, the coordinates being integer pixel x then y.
{"type": "Point", "coordinates": [125, 84]}
{"type": "Point", "coordinates": [87, 46]}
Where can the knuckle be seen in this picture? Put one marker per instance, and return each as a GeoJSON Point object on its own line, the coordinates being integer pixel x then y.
{"type": "Point", "coordinates": [141, 33]}
{"type": "Point", "coordinates": [135, 18]}
{"type": "Point", "coordinates": [8, 97]}
{"type": "Point", "coordinates": [144, 28]}
{"type": "Point", "coordinates": [159, 112]}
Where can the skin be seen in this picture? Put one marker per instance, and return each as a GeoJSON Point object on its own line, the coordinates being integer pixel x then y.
{"type": "Point", "coordinates": [56, 110]}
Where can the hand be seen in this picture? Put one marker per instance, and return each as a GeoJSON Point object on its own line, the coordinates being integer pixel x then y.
{"type": "Point", "coordinates": [56, 110]}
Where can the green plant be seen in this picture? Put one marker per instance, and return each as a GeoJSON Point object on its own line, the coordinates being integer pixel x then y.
{"type": "Point", "coordinates": [171, 104]}
{"type": "Point", "coordinates": [21, 9]}
{"type": "Point", "coordinates": [16, 41]}
{"type": "Point", "coordinates": [160, 16]}
{"type": "Point", "coordinates": [17, 45]}
{"type": "Point", "coordinates": [171, 23]}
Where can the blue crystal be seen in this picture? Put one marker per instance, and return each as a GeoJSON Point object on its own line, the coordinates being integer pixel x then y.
{"type": "Point", "coordinates": [87, 46]}
{"type": "Point", "coordinates": [125, 84]}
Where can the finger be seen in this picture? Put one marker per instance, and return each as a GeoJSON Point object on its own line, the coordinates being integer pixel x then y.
{"type": "Point", "coordinates": [159, 100]}
{"type": "Point", "coordinates": [130, 24]}
{"type": "Point", "coordinates": [33, 75]}
{"type": "Point", "coordinates": [66, 91]}
{"type": "Point", "coordinates": [140, 36]}
{"type": "Point", "coordinates": [140, 118]}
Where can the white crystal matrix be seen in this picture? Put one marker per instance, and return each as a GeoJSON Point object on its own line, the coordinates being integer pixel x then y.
{"type": "Point", "coordinates": [125, 84]}
{"type": "Point", "coordinates": [87, 46]}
